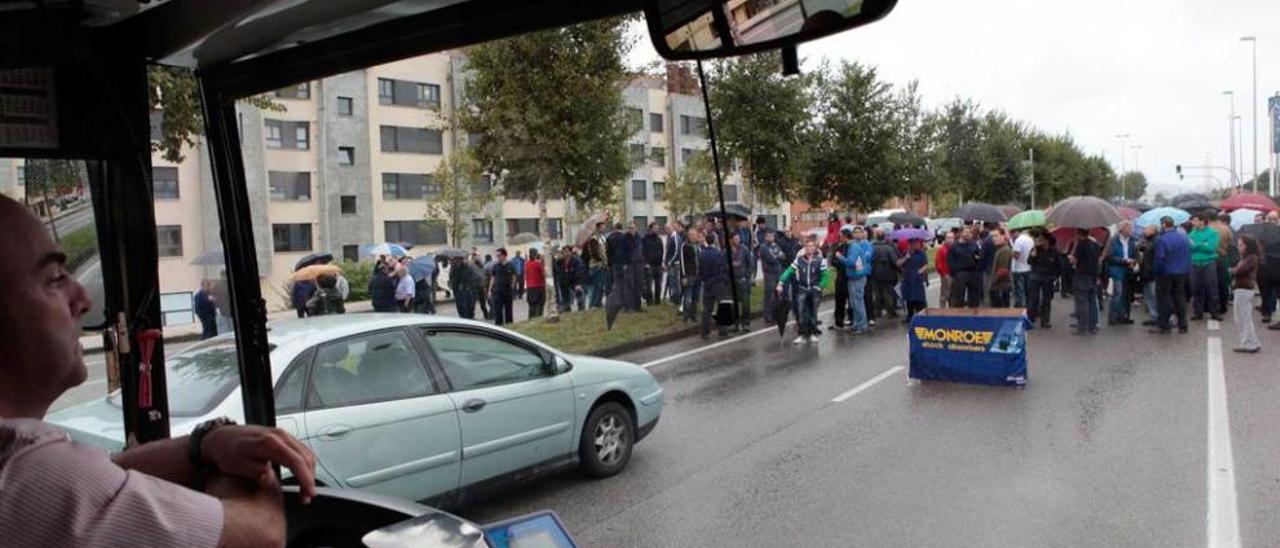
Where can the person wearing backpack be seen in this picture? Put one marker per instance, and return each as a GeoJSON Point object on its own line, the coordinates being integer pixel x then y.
{"type": "Point", "coordinates": [327, 300]}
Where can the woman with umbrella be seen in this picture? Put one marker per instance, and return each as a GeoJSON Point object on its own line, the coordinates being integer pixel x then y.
{"type": "Point", "coordinates": [914, 278]}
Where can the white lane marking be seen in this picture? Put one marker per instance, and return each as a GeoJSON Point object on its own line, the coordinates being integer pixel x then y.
{"type": "Point", "coordinates": [861, 387]}
{"type": "Point", "coordinates": [688, 353]}
{"type": "Point", "coordinates": [718, 344]}
{"type": "Point", "coordinates": [1214, 325]}
{"type": "Point", "coordinates": [1224, 518]}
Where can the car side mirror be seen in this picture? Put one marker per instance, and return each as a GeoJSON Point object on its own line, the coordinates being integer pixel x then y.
{"type": "Point", "coordinates": [703, 29]}
{"type": "Point", "coordinates": [560, 366]}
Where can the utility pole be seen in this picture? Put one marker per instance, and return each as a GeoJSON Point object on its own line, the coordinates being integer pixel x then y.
{"type": "Point", "coordinates": [1122, 137]}
{"type": "Point", "coordinates": [1231, 134]}
{"type": "Point", "coordinates": [1254, 42]}
{"type": "Point", "coordinates": [1031, 158]}
{"type": "Point", "coordinates": [1271, 115]}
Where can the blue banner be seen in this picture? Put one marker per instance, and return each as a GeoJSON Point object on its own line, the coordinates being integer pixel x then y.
{"type": "Point", "coordinates": [982, 348]}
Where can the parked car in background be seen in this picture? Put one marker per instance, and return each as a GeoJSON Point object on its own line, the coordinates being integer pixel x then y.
{"type": "Point", "coordinates": [942, 225]}
{"type": "Point", "coordinates": [416, 407]}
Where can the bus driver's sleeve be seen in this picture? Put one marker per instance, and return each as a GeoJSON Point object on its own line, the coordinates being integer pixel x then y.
{"type": "Point", "coordinates": [54, 492]}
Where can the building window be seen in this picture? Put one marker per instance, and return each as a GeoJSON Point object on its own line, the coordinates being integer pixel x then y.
{"type": "Point", "coordinates": [351, 253]}
{"type": "Point", "coordinates": [658, 157]}
{"type": "Point", "coordinates": [730, 193]}
{"type": "Point", "coordinates": [164, 182]}
{"type": "Point", "coordinates": [483, 184]}
{"type": "Point", "coordinates": [638, 190]}
{"type": "Point", "coordinates": [346, 156]}
{"type": "Point", "coordinates": [408, 94]}
{"type": "Point", "coordinates": [22, 175]}
{"type": "Point", "coordinates": [693, 125]}
{"type": "Point", "coordinates": [345, 106]}
{"type": "Point", "coordinates": [415, 232]}
{"type": "Point", "coordinates": [411, 139]}
{"type": "Point", "coordinates": [300, 91]}
{"type": "Point", "coordinates": [636, 117]}
{"type": "Point", "coordinates": [520, 226]}
{"type": "Point", "coordinates": [408, 186]}
{"type": "Point", "coordinates": [482, 231]}
{"type": "Point", "coordinates": [660, 220]}
{"type": "Point", "coordinates": [641, 221]}
{"type": "Point", "coordinates": [685, 153]}
{"type": "Point", "coordinates": [658, 188]}
{"type": "Point", "coordinates": [348, 205]}
{"type": "Point", "coordinates": [655, 122]}
{"type": "Point", "coordinates": [287, 134]}
{"type": "Point", "coordinates": [553, 229]}
{"type": "Point", "coordinates": [290, 237]}
{"type": "Point", "coordinates": [169, 240]}
{"type": "Point", "coordinates": [637, 154]}
{"type": "Point", "coordinates": [294, 186]}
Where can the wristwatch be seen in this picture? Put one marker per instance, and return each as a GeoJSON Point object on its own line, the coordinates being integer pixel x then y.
{"type": "Point", "coordinates": [196, 439]}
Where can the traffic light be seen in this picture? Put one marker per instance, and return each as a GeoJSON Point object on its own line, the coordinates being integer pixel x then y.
{"type": "Point", "coordinates": [1178, 168]}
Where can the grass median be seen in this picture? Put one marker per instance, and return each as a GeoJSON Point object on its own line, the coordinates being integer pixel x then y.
{"type": "Point", "coordinates": [585, 332]}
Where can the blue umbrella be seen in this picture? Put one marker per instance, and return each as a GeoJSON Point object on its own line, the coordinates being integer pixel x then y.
{"type": "Point", "coordinates": [422, 267]}
{"type": "Point", "coordinates": [394, 250]}
{"type": "Point", "coordinates": [1242, 217]}
{"type": "Point", "coordinates": [1153, 217]}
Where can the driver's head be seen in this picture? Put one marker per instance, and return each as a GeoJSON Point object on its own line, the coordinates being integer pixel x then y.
{"type": "Point", "coordinates": [40, 311]}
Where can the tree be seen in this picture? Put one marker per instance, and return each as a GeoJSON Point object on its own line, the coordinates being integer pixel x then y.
{"type": "Point", "coordinates": [689, 192]}
{"type": "Point", "coordinates": [855, 158]}
{"type": "Point", "coordinates": [51, 179]}
{"type": "Point", "coordinates": [549, 109]}
{"type": "Point", "coordinates": [456, 199]}
{"type": "Point", "coordinates": [1133, 185]}
{"type": "Point", "coordinates": [174, 93]}
{"type": "Point", "coordinates": [957, 151]}
{"type": "Point", "coordinates": [761, 120]}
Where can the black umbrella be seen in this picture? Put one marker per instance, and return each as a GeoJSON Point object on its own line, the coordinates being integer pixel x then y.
{"type": "Point", "coordinates": [1083, 212]}
{"type": "Point", "coordinates": [981, 212]}
{"type": "Point", "coordinates": [906, 219]}
{"type": "Point", "coordinates": [733, 210]}
{"type": "Point", "coordinates": [314, 258]}
{"type": "Point", "coordinates": [1187, 197]}
{"type": "Point", "coordinates": [781, 312]}
{"type": "Point", "coordinates": [211, 257]}
{"type": "Point", "coordinates": [1268, 236]}
{"type": "Point", "coordinates": [613, 304]}
{"type": "Point", "coordinates": [452, 252]}
{"type": "Point", "coordinates": [1142, 207]}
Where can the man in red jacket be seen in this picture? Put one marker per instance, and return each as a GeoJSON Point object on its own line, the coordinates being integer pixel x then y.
{"type": "Point", "coordinates": [535, 284]}
{"type": "Point", "coordinates": [944, 271]}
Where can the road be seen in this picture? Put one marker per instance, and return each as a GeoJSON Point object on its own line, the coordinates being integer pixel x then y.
{"type": "Point", "coordinates": [75, 220]}
{"type": "Point", "coordinates": [95, 386]}
{"type": "Point", "coordinates": [1108, 445]}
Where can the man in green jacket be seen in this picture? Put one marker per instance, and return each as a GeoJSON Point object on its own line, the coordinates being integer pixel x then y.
{"type": "Point", "coordinates": [1204, 268]}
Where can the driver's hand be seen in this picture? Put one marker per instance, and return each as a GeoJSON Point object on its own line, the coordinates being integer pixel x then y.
{"type": "Point", "coordinates": [247, 451]}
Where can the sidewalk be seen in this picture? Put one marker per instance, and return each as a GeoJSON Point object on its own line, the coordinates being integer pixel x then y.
{"type": "Point", "coordinates": [92, 343]}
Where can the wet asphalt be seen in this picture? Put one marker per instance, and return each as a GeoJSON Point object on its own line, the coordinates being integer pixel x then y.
{"type": "Point", "coordinates": [1105, 446]}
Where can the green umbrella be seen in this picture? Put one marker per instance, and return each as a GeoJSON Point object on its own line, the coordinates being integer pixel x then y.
{"type": "Point", "coordinates": [1027, 219]}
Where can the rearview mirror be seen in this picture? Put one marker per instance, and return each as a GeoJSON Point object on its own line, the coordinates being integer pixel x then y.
{"type": "Point", "coordinates": [702, 29]}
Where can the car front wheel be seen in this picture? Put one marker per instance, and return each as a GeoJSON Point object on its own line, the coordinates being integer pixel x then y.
{"type": "Point", "coordinates": [607, 440]}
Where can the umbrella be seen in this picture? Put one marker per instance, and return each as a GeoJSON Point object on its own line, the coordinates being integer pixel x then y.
{"type": "Point", "coordinates": [211, 257]}
{"type": "Point", "coordinates": [781, 311]}
{"type": "Point", "coordinates": [452, 252]}
{"type": "Point", "coordinates": [310, 273]}
{"type": "Point", "coordinates": [1140, 206]}
{"type": "Point", "coordinates": [395, 250]}
{"type": "Point", "coordinates": [978, 211]}
{"type": "Point", "coordinates": [1128, 213]}
{"type": "Point", "coordinates": [1027, 219]}
{"type": "Point", "coordinates": [422, 267]}
{"type": "Point", "coordinates": [1268, 236]}
{"type": "Point", "coordinates": [613, 305]}
{"type": "Point", "coordinates": [903, 218]}
{"type": "Point", "coordinates": [1066, 235]}
{"type": "Point", "coordinates": [1242, 217]}
{"type": "Point", "coordinates": [522, 238]}
{"type": "Point", "coordinates": [1192, 202]}
{"type": "Point", "coordinates": [314, 258]}
{"type": "Point", "coordinates": [1256, 202]}
{"type": "Point", "coordinates": [1009, 210]}
{"type": "Point", "coordinates": [1083, 212]}
{"type": "Point", "coordinates": [1152, 218]}
{"type": "Point", "coordinates": [910, 234]}
{"type": "Point", "coordinates": [733, 210]}
{"type": "Point", "coordinates": [588, 227]}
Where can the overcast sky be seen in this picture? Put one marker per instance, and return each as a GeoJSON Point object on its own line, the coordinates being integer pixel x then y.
{"type": "Point", "coordinates": [1154, 69]}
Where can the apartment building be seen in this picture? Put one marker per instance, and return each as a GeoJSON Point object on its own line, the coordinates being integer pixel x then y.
{"type": "Point", "coordinates": [350, 160]}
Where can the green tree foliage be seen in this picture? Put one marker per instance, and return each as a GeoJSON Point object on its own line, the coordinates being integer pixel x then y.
{"type": "Point", "coordinates": [457, 200]}
{"type": "Point", "coordinates": [549, 108]}
{"type": "Point", "coordinates": [855, 155]}
{"type": "Point", "coordinates": [51, 179]}
{"type": "Point", "coordinates": [1133, 185]}
{"type": "Point", "coordinates": [761, 119]}
{"type": "Point", "coordinates": [174, 93]}
{"type": "Point", "coordinates": [689, 192]}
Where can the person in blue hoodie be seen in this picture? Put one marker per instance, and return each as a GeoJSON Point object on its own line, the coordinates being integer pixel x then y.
{"type": "Point", "coordinates": [1172, 266]}
{"type": "Point", "coordinates": [857, 265]}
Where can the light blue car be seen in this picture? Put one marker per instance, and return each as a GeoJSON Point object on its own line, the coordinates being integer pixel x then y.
{"type": "Point", "coordinates": [416, 407]}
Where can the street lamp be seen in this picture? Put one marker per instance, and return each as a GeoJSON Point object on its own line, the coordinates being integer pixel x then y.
{"type": "Point", "coordinates": [1122, 137]}
{"type": "Point", "coordinates": [1254, 42]}
{"type": "Point", "coordinates": [1231, 133]}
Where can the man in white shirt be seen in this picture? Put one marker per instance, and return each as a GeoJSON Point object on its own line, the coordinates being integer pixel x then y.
{"type": "Point", "coordinates": [405, 291]}
{"type": "Point", "coordinates": [1023, 243]}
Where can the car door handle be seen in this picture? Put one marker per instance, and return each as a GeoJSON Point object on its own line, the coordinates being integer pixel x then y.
{"type": "Point", "coordinates": [471, 406]}
{"type": "Point", "coordinates": [334, 432]}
